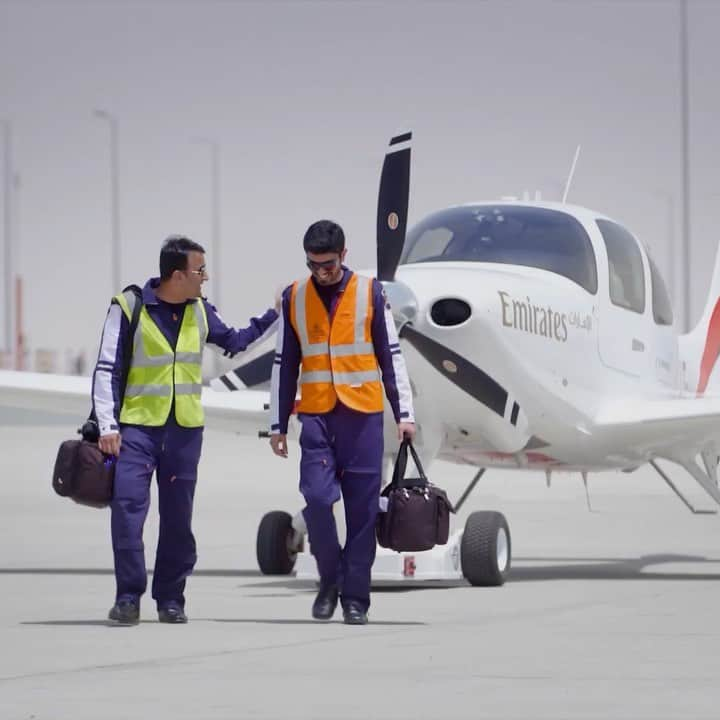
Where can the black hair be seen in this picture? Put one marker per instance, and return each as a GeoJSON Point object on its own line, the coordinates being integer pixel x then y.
{"type": "Point", "coordinates": [174, 254]}
{"type": "Point", "coordinates": [324, 236]}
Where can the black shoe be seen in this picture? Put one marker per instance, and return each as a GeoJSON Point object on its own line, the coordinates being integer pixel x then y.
{"type": "Point", "coordinates": [354, 614]}
{"type": "Point", "coordinates": [172, 613]}
{"type": "Point", "coordinates": [325, 602]}
{"type": "Point", "coordinates": [125, 612]}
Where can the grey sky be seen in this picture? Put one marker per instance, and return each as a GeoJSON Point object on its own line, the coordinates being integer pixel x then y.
{"type": "Point", "coordinates": [303, 97]}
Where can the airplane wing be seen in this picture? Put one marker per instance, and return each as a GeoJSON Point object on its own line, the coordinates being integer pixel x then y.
{"type": "Point", "coordinates": [242, 412]}
{"type": "Point", "coordinates": [673, 427]}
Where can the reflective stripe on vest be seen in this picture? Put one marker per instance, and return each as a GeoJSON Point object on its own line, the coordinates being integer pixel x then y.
{"type": "Point", "coordinates": [338, 356]}
{"type": "Point", "coordinates": [158, 376]}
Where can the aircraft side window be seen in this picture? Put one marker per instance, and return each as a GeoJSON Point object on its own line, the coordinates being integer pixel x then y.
{"type": "Point", "coordinates": [617, 289]}
{"type": "Point", "coordinates": [662, 307]}
{"type": "Point", "coordinates": [626, 273]}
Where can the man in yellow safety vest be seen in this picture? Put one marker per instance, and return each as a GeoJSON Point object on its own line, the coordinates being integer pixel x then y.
{"type": "Point", "coordinates": [156, 423]}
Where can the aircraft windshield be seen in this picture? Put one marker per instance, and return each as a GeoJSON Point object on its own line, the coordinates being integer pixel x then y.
{"type": "Point", "coordinates": [515, 235]}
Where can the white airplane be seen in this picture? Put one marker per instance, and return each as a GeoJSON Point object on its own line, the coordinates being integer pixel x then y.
{"type": "Point", "coordinates": [537, 335]}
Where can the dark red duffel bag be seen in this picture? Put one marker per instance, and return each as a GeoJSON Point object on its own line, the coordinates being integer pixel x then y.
{"type": "Point", "coordinates": [82, 472]}
{"type": "Point", "coordinates": [418, 512]}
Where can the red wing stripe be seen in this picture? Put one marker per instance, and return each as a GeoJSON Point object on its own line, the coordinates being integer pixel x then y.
{"type": "Point", "coordinates": [711, 351]}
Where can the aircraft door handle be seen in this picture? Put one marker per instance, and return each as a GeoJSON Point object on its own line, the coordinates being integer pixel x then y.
{"type": "Point", "coordinates": [638, 345]}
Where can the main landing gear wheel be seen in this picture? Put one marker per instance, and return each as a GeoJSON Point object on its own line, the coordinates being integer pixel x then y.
{"type": "Point", "coordinates": [485, 550]}
{"type": "Point", "coordinates": [276, 544]}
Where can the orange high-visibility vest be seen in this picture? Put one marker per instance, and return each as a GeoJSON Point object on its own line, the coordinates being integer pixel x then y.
{"type": "Point", "coordinates": [338, 357]}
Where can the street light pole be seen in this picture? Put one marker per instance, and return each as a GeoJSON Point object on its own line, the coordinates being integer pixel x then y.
{"type": "Point", "coordinates": [214, 216]}
{"type": "Point", "coordinates": [7, 231]}
{"type": "Point", "coordinates": [685, 122]}
{"type": "Point", "coordinates": [114, 196]}
{"type": "Point", "coordinates": [215, 249]}
{"type": "Point", "coordinates": [670, 240]}
{"type": "Point", "coordinates": [668, 201]}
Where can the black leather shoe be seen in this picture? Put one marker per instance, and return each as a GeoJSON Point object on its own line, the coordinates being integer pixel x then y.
{"type": "Point", "coordinates": [125, 612]}
{"type": "Point", "coordinates": [325, 602]}
{"type": "Point", "coordinates": [172, 613]}
{"type": "Point", "coordinates": [354, 613]}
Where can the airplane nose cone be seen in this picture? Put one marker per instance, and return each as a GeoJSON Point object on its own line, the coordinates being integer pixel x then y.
{"type": "Point", "coordinates": [458, 359]}
{"type": "Point", "coordinates": [402, 301]}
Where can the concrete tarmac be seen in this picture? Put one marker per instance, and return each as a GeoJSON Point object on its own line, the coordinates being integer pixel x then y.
{"type": "Point", "coordinates": [608, 614]}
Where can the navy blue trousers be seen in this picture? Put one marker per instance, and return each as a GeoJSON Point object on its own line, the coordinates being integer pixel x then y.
{"type": "Point", "coordinates": [342, 454]}
{"type": "Point", "coordinates": [172, 452]}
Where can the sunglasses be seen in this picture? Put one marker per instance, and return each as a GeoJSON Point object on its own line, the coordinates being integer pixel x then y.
{"type": "Point", "coordinates": [202, 270]}
{"type": "Point", "coordinates": [324, 265]}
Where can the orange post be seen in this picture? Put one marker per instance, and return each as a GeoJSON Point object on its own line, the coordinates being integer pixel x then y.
{"type": "Point", "coordinates": [19, 336]}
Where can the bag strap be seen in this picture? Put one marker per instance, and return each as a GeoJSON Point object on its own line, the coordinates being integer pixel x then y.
{"type": "Point", "coordinates": [400, 465]}
{"type": "Point", "coordinates": [128, 348]}
{"type": "Point", "coordinates": [398, 478]}
{"type": "Point", "coordinates": [126, 356]}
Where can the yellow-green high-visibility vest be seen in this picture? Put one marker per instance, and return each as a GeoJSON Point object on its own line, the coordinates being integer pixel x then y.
{"type": "Point", "coordinates": [157, 374]}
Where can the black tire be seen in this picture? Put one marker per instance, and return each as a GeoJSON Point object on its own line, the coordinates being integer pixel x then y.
{"type": "Point", "coordinates": [485, 550]}
{"type": "Point", "coordinates": [274, 553]}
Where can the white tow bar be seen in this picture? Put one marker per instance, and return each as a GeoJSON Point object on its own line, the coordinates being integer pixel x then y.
{"type": "Point", "coordinates": [440, 563]}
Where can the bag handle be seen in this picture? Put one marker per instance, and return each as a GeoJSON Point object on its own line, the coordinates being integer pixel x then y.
{"type": "Point", "coordinates": [398, 478]}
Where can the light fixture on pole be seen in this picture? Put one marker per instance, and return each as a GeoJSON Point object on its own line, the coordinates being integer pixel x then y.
{"type": "Point", "coordinates": [114, 196]}
{"type": "Point", "coordinates": [685, 123]}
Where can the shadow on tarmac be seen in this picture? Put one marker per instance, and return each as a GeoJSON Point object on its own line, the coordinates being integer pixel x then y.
{"type": "Point", "coordinates": [527, 569]}
{"type": "Point", "coordinates": [583, 568]}
{"type": "Point", "coordinates": [80, 623]}
{"type": "Point", "coordinates": [109, 571]}
{"type": "Point", "coordinates": [252, 621]}
{"type": "Point", "coordinates": [524, 569]}
{"type": "Point", "coordinates": [287, 621]}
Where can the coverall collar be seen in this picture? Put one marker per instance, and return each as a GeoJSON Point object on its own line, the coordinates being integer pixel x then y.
{"type": "Point", "coordinates": [148, 292]}
{"type": "Point", "coordinates": [347, 274]}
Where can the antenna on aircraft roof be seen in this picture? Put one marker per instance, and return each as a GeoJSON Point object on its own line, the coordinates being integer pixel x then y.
{"type": "Point", "coordinates": [570, 176]}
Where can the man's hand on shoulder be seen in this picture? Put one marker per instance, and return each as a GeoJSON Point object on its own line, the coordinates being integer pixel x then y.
{"type": "Point", "coordinates": [110, 444]}
{"type": "Point", "coordinates": [279, 298]}
{"type": "Point", "coordinates": [278, 443]}
{"type": "Point", "coordinates": [282, 291]}
{"type": "Point", "coordinates": [406, 430]}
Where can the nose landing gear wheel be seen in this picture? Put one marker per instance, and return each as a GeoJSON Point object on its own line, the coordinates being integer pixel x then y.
{"type": "Point", "coordinates": [276, 544]}
{"type": "Point", "coordinates": [485, 549]}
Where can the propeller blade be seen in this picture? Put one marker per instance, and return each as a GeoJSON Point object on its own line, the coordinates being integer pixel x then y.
{"type": "Point", "coordinates": [393, 206]}
{"type": "Point", "coordinates": [461, 372]}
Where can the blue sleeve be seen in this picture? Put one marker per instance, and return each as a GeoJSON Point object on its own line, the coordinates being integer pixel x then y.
{"type": "Point", "coordinates": [233, 341]}
{"type": "Point", "coordinates": [384, 351]}
{"type": "Point", "coordinates": [288, 358]}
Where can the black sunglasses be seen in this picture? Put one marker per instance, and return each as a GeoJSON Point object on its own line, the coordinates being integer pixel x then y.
{"type": "Point", "coordinates": [324, 265]}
